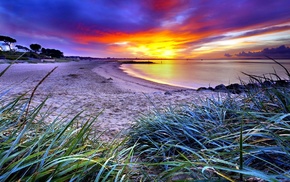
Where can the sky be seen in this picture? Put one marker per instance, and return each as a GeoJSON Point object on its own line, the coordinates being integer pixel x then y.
{"type": "Point", "coordinates": [148, 28]}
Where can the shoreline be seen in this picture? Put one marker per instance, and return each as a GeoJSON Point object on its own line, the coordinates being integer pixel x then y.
{"type": "Point", "coordinates": [132, 84]}
{"type": "Point", "coordinates": [86, 86]}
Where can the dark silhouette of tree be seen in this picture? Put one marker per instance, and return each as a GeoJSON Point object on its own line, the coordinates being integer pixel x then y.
{"type": "Point", "coordinates": [52, 53]}
{"type": "Point", "coordinates": [7, 40]}
{"type": "Point", "coordinates": [35, 47]}
{"type": "Point", "coordinates": [22, 47]}
{"type": "Point", "coordinates": [43, 51]}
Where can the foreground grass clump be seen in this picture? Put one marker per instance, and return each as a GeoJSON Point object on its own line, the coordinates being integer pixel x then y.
{"type": "Point", "coordinates": [33, 150]}
{"type": "Point", "coordinates": [225, 138]}
{"type": "Point", "coordinates": [221, 139]}
{"type": "Point", "coordinates": [245, 137]}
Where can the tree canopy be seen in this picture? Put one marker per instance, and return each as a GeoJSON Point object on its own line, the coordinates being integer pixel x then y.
{"type": "Point", "coordinates": [52, 52]}
{"type": "Point", "coordinates": [7, 40]}
{"type": "Point", "coordinates": [22, 47]}
{"type": "Point", "coordinates": [35, 47]}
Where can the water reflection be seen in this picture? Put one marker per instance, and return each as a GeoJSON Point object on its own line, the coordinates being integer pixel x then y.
{"type": "Point", "coordinates": [198, 73]}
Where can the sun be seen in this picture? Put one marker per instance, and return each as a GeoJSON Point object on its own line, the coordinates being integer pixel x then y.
{"type": "Point", "coordinates": [152, 51]}
{"type": "Point", "coordinates": [167, 53]}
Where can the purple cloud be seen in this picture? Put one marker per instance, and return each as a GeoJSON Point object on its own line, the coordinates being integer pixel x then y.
{"type": "Point", "coordinates": [265, 30]}
{"type": "Point", "coordinates": [221, 16]}
{"type": "Point", "coordinates": [228, 55]}
{"type": "Point", "coordinates": [59, 22]}
{"type": "Point", "coordinates": [279, 52]}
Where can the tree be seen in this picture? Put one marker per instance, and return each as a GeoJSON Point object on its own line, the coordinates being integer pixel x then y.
{"type": "Point", "coordinates": [35, 47]}
{"type": "Point", "coordinates": [22, 47]}
{"type": "Point", "coordinates": [7, 40]}
{"type": "Point", "coordinates": [52, 52]}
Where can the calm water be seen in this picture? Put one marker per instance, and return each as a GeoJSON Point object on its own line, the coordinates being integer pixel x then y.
{"type": "Point", "coordinates": [203, 73]}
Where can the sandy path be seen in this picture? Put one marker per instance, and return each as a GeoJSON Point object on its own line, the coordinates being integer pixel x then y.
{"type": "Point", "coordinates": [92, 87]}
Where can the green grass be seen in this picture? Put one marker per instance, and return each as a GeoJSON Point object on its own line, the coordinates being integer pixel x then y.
{"type": "Point", "coordinates": [222, 138]}
{"type": "Point", "coordinates": [10, 55]}
{"type": "Point", "coordinates": [231, 138]}
{"type": "Point", "coordinates": [30, 57]}
{"type": "Point", "coordinates": [33, 148]}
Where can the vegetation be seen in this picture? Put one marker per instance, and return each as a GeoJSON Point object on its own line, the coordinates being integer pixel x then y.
{"type": "Point", "coordinates": [235, 138]}
{"type": "Point", "coordinates": [35, 47]}
{"type": "Point", "coordinates": [32, 148]}
{"type": "Point", "coordinates": [222, 139]}
{"type": "Point", "coordinates": [12, 54]}
{"type": "Point", "coordinates": [9, 55]}
{"type": "Point", "coordinates": [22, 47]}
{"type": "Point", "coordinates": [229, 138]}
{"type": "Point", "coordinates": [7, 40]}
{"type": "Point", "coordinates": [52, 53]}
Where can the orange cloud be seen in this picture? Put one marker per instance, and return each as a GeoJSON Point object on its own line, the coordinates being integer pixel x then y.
{"type": "Point", "coordinates": [149, 44]}
{"type": "Point", "coordinates": [152, 43]}
{"type": "Point", "coordinates": [150, 28]}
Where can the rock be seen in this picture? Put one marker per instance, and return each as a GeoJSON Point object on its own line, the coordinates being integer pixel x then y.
{"type": "Point", "coordinates": [267, 83]}
{"type": "Point", "coordinates": [221, 88]}
{"type": "Point", "coordinates": [282, 83]}
{"type": "Point", "coordinates": [205, 89]}
{"type": "Point", "coordinates": [210, 88]}
{"type": "Point", "coordinates": [236, 88]}
{"type": "Point", "coordinates": [201, 89]}
{"type": "Point", "coordinates": [167, 93]}
{"type": "Point", "coordinates": [73, 75]}
{"type": "Point", "coordinates": [107, 80]}
{"type": "Point", "coordinates": [251, 86]}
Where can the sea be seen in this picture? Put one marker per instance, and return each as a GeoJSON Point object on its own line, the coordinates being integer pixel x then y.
{"type": "Point", "coordinates": [206, 73]}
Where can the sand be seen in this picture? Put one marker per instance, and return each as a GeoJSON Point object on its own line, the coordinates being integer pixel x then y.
{"type": "Point", "coordinates": [96, 88]}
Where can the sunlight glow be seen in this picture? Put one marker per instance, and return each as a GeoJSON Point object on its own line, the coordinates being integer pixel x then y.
{"type": "Point", "coordinates": [168, 53]}
{"type": "Point", "coordinates": [151, 51]}
{"type": "Point", "coordinates": [160, 43]}
{"type": "Point", "coordinates": [216, 47]}
{"type": "Point", "coordinates": [121, 43]}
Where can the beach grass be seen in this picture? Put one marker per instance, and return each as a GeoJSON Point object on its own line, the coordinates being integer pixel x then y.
{"type": "Point", "coordinates": [33, 150]}
{"type": "Point", "coordinates": [230, 138]}
{"type": "Point", "coordinates": [221, 139]}
{"type": "Point", "coordinates": [226, 138]}
{"type": "Point", "coordinates": [36, 148]}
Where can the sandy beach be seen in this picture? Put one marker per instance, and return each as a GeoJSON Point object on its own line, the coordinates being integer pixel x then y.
{"type": "Point", "coordinates": [94, 87]}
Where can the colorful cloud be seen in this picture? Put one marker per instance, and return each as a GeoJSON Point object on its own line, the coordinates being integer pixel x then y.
{"type": "Point", "coordinates": [151, 28]}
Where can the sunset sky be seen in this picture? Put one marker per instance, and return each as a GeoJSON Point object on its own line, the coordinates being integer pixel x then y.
{"type": "Point", "coordinates": [148, 28]}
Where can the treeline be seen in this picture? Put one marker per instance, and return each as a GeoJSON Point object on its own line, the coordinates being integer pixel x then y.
{"type": "Point", "coordinates": [36, 48]}
{"type": "Point", "coordinates": [52, 52]}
